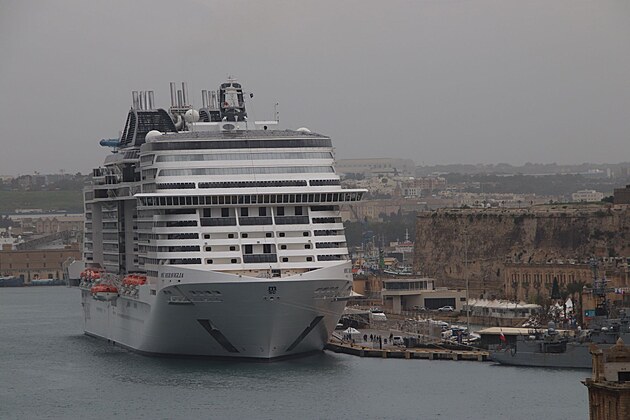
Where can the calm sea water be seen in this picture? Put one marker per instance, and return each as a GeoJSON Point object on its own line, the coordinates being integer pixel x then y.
{"type": "Point", "coordinates": [49, 369]}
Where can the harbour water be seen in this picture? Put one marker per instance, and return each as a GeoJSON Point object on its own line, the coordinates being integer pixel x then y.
{"type": "Point", "coordinates": [49, 369]}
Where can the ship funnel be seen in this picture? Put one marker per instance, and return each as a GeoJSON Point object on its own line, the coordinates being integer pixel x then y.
{"type": "Point", "coordinates": [184, 94]}
{"type": "Point", "coordinates": [173, 95]}
{"type": "Point", "coordinates": [143, 99]}
{"type": "Point", "coordinates": [204, 99]}
{"type": "Point", "coordinates": [151, 98]}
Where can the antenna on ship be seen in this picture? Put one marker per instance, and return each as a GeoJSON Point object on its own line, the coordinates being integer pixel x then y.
{"type": "Point", "coordinates": [599, 289]}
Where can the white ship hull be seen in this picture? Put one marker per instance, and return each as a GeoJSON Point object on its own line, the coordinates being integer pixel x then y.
{"type": "Point", "coordinates": [226, 316]}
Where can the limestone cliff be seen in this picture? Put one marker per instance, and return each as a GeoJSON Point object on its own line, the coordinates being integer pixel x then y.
{"type": "Point", "coordinates": [537, 234]}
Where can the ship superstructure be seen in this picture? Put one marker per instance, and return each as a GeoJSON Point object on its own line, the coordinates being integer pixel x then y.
{"type": "Point", "coordinates": [234, 225]}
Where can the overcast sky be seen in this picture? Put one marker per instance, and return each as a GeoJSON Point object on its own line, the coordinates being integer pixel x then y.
{"type": "Point", "coordinates": [437, 81]}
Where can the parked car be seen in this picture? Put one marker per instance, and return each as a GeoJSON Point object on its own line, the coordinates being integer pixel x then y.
{"type": "Point", "coordinates": [419, 308]}
{"type": "Point", "coordinates": [398, 341]}
{"type": "Point", "coordinates": [446, 309]}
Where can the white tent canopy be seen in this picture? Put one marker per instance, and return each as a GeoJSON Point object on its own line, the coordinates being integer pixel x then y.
{"type": "Point", "coordinates": [351, 331]}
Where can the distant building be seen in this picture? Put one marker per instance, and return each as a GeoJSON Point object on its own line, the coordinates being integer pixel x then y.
{"type": "Point", "coordinates": [47, 224]}
{"type": "Point", "coordinates": [375, 166]}
{"type": "Point", "coordinates": [587, 196]}
{"type": "Point", "coordinates": [622, 195]}
{"type": "Point", "coordinates": [414, 187]}
{"type": "Point", "coordinates": [27, 182]}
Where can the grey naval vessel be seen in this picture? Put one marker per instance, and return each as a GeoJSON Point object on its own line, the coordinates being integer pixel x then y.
{"type": "Point", "coordinates": [207, 234]}
{"type": "Point", "coordinates": [551, 348]}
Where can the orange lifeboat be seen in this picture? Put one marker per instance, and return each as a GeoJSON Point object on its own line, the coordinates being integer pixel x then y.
{"type": "Point", "coordinates": [104, 292]}
{"type": "Point", "coordinates": [134, 280]}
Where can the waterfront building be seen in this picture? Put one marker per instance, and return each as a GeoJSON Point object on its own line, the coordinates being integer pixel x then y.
{"type": "Point", "coordinates": [532, 281]}
{"type": "Point", "coordinates": [609, 384]}
{"type": "Point", "coordinates": [36, 264]}
{"type": "Point", "coordinates": [409, 294]}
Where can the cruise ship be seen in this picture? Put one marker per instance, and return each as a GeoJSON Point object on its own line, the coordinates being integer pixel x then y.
{"type": "Point", "coordinates": [207, 234]}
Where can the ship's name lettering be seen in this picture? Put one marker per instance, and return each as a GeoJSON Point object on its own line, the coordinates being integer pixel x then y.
{"type": "Point", "coordinates": [172, 275]}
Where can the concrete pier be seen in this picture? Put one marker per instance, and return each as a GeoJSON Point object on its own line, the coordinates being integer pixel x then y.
{"type": "Point", "coordinates": [404, 353]}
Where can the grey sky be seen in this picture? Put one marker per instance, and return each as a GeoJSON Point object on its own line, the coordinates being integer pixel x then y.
{"type": "Point", "coordinates": [437, 81]}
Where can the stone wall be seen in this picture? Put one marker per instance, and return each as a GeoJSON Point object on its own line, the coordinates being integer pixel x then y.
{"type": "Point", "coordinates": [489, 238]}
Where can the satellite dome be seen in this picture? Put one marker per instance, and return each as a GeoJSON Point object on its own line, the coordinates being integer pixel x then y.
{"type": "Point", "coordinates": [192, 115]}
{"type": "Point", "coordinates": [152, 135]}
{"type": "Point", "coordinates": [303, 130]}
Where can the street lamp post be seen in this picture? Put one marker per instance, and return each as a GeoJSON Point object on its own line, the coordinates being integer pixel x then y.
{"type": "Point", "coordinates": [467, 283]}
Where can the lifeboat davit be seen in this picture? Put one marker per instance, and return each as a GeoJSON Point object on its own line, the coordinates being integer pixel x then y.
{"type": "Point", "coordinates": [104, 292]}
